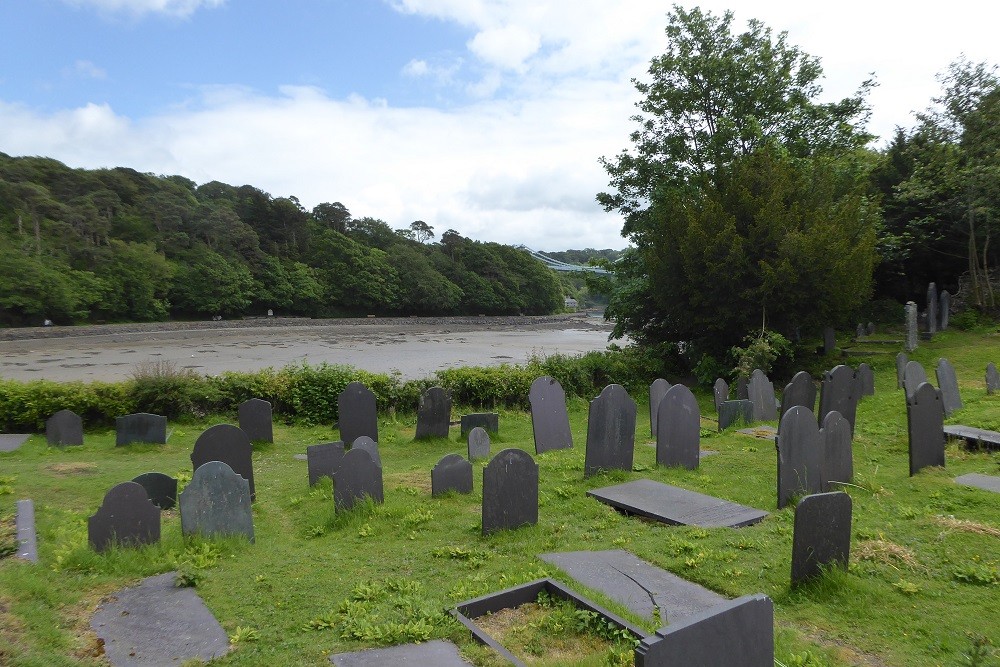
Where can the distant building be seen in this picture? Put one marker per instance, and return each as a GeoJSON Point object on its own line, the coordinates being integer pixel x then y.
{"type": "Point", "coordinates": [570, 303]}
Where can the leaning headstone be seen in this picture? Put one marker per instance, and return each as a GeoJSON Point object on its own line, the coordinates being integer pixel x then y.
{"type": "Point", "coordinates": [731, 412]}
{"type": "Point", "coordinates": [765, 406]}
{"type": "Point", "coordinates": [433, 414]}
{"type": "Point", "coordinates": [161, 489]}
{"type": "Point", "coordinates": [829, 340]}
{"type": "Point", "coordinates": [359, 477]}
{"type": "Point", "coordinates": [370, 446]}
{"type": "Point", "coordinates": [838, 456]}
{"type": "Point", "coordinates": [678, 429]}
{"type": "Point", "coordinates": [657, 390]}
{"type": "Point", "coordinates": [64, 428]}
{"type": "Point", "coordinates": [951, 399]}
{"type": "Point", "coordinates": [140, 427]}
{"type": "Point", "coordinates": [229, 444]}
{"type": "Point", "coordinates": [925, 426]}
{"type": "Point", "coordinates": [357, 413]}
{"type": "Point", "coordinates": [901, 361]}
{"type": "Point", "coordinates": [452, 473]}
{"type": "Point", "coordinates": [913, 376]}
{"type": "Point", "coordinates": [323, 460]}
{"type": "Point", "coordinates": [822, 535]}
{"type": "Point", "coordinates": [800, 455]}
{"type": "Point", "coordinates": [479, 444]}
{"type": "Point", "coordinates": [944, 306]}
{"type": "Point", "coordinates": [800, 391]}
{"type": "Point", "coordinates": [610, 431]}
{"type": "Point", "coordinates": [125, 517]}
{"type": "Point", "coordinates": [911, 326]}
{"type": "Point", "coordinates": [720, 391]}
{"type": "Point", "coordinates": [216, 502]}
{"type": "Point", "coordinates": [932, 307]}
{"type": "Point", "coordinates": [510, 491]}
{"type": "Point", "coordinates": [256, 421]}
{"type": "Point", "coordinates": [866, 379]}
{"type": "Point", "coordinates": [549, 418]}
{"type": "Point", "coordinates": [992, 379]}
{"type": "Point", "coordinates": [489, 421]}
{"type": "Point", "coordinates": [839, 392]}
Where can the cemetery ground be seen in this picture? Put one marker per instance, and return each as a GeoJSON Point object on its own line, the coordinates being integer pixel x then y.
{"type": "Point", "coordinates": [922, 587]}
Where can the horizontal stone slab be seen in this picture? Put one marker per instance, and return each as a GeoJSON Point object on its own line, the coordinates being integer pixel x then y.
{"type": "Point", "coordinates": [439, 653]}
{"type": "Point", "coordinates": [986, 482]}
{"type": "Point", "coordinates": [676, 506]}
{"type": "Point", "coordinates": [974, 437]}
{"type": "Point", "coordinates": [11, 441]}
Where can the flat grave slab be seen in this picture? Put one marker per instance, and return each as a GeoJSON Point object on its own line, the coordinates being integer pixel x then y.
{"type": "Point", "coordinates": [764, 432]}
{"type": "Point", "coordinates": [626, 578]}
{"type": "Point", "coordinates": [11, 441]}
{"type": "Point", "coordinates": [27, 540]}
{"type": "Point", "coordinates": [439, 653]}
{"type": "Point", "coordinates": [986, 482]}
{"type": "Point", "coordinates": [974, 437]}
{"type": "Point", "coordinates": [676, 506]}
{"type": "Point", "coordinates": [156, 623]}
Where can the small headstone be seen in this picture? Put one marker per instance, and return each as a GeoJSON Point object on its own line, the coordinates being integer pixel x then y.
{"type": "Point", "coordinates": [800, 455]}
{"type": "Point", "coordinates": [489, 421]}
{"type": "Point", "coordinates": [323, 460]}
{"type": "Point", "coordinates": [720, 391]}
{"type": "Point", "coordinates": [944, 307]}
{"type": "Point", "coordinates": [479, 444]}
{"type": "Point", "coordinates": [64, 428]}
{"type": "Point", "coordinates": [452, 473]}
{"type": "Point", "coordinates": [657, 390]}
{"type": "Point", "coordinates": [838, 456]}
{"type": "Point", "coordinates": [161, 489]}
{"type": "Point", "coordinates": [742, 388]}
{"type": "Point", "coordinates": [951, 399]}
{"type": "Point", "coordinates": [141, 427]}
{"type": "Point", "coordinates": [829, 340]}
{"type": "Point", "coordinates": [510, 491]}
{"type": "Point", "coordinates": [125, 517]}
{"type": "Point", "coordinates": [610, 431]}
{"type": "Point", "coordinates": [866, 379]}
{"type": "Point", "coordinates": [370, 446]}
{"type": "Point", "coordinates": [359, 477]}
{"type": "Point", "coordinates": [822, 534]}
{"type": "Point", "coordinates": [925, 426]}
{"type": "Point", "coordinates": [860, 332]}
{"type": "Point", "coordinates": [433, 414]}
{"type": "Point", "coordinates": [800, 391]}
{"type": "Point", "coordinates": [870, 329]}
{"type": "Point", "coordinates": [765, 406]}
{"type": "Point", "coordinates": [901, 361]}
{"type": "Point", "coordinates": [255, 420]}
{"type": "Point", "coordinates": [732, 412]}
{"type": "Point", "coordinates": [678, 429]}
{"type": "Point", "coordinates": [229, 444]}
{"type": "Point", "coordinates": [216, 502]}
{"type": "Point", "coordinates": [992, 379]}
{"type": "Point", "coordinates": [913, 376]}
{"type": "Point", "coordinates": [839, 392]}
{"type": "Point", "coordinates": [549, 418]}
{"type": "Point", "coordinates": [911, 326]}
{"type": "Point", "coordinates": [932, 308]}
{"type": "Point", "coordinates": [357, 413]}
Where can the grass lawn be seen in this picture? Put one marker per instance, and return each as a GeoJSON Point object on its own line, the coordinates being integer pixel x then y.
{"type": "Point", "coordinates": [923, 586]}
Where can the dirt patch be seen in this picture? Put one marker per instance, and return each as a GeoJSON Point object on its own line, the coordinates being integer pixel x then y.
{"type": "Point", "coordinates": [848, 654]}
{"type": "Point", "coordinates": [421, 481]}
{"type": "Point", "coordinates": [67, 469]}
{"type": "Point", "coordinates": [966, 526]}
{"type": "Point", "coordinates": [523, 631]}
{"type": "Point", "coordinates": [886, 553]}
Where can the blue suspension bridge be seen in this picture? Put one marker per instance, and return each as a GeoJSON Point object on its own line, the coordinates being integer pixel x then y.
{"type": "Point", "coordinates": [557, 265]}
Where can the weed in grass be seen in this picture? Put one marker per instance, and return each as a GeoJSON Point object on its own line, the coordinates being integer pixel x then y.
{"type": "Point", "coordinates": [978, 574]}
{"type": "Point", "coordinates": [906, 587]}
{"type": "Point", "coordinates": [244, 634]}
{"type": "Point", "coordinates": [981, 652]}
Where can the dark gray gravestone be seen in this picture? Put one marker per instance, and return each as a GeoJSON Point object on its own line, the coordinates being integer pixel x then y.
{"type": "Point", "coordinates": [359, 477]}
{"type": "Point", "coordinates": [913, 376]}
{"type": "Point", "coordinates": [822, 535]}
{"type": "Point", "coordinates": [357, 413]}
{"type": "Point", "coordinates": [140, 427]}
{"type": "Point", "coordinates": [932, 308]}
{"type": "Point", "coordinates": [324, 460]}
{"type": "Point", "coordinates": [255, 420]}
{"type": "Point", "coordinates": [11, 441]}
{"type": "Point", "coordinates": [800, 455]}
{"type": "Point", "coordinates": [510, 491]}
{"type": "Point", "coordinates": [678, 429]}
{"type": "Point", "coordinates": [984, 482]}
{"type": "Point", "coordinates": [829, 340]}
{"type": "Point", "coordinates": [720, 391]}
{"type": "Point", "coordinates": [436, 653]}
{"type": "Point", "coordinates": [434, 414]}
{"type": "Point", "coordinates": [992, 379]}
{"type": "Point", "coordinates": [925, 425]}
{"type": "Point", "coordinates": [610, 431]}
{"type": "Point", "coordinates": [731, 412]}
{"type": "Point", "coordinates": [860, 331]}
{"type": "Point", "coordinates": [479, 444]}
{"type": "Point", "coordinates": [800, 391]}
{"type": "Point", "coordinates": [870, 329]}
{"type": "Point", "coordinates": [911, 326]}
{"type": "Point", "coordinates": [27, 538]}
{"type": "Point", "coordinates": [901, 361]}
{"type": "Point", "coordinates": [157, 623]}
{"type": "Point", "coordinates": [216, 502]}
{"type": "Point", "coordinates": [742, 389]}
{"type": "Point", "coordinates": [229, 444]}
{"type": "Point", "coordinates": [675, 506]}
{"type": "Point", "coordinates": [657, 390]}
{"type": "Point", "coordinates": [452, 473]}
{"type": "Point", "coordinates": [944, 306]}
{"type": "Point", "coordinates": [549, 419]}
{"type": "Point", "coordinates": [64, 428]}
{"type": "Point", "coordinates": [125, 517]}
{"type": "Point", "coordinates": [951, 399]}
{"type": "Point", "coordinates": [839, 392]}
{"type": "Point", "coordinates": [866, 379]}
{"type": "Point", "coordinates": [370, 446]}
{"type": "Point", "coordinates": [738, 632]}
{"type": "Point", "coordinates": [488, 421]}
{"type": "Point", "coordinates": [765, 407]}
{"type": "Point", "coordinates": [838, 457]}
{"type": "Point", "coordinates": [161, 489]}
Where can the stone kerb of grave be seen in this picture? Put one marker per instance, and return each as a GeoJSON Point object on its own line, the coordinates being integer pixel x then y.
{"type": "Point", "coordinates": [951, 399]}
{"type": "Point", "coordinates": [479, 444]}
{"type": "Point", "coordinates": [822, 534]}
{"type": "Point", "coordinates": [610, 431]}
{"type": "Point", "coordinates": [800, 391]}
{"type": "Point", "coordinates": [678, 429]}
{"type": "Point", "coordinates": [359, 477]}
{"type": "Point", "coordinates": [161, 489]}
{"type": "Point", "coordinates": [357, 413]}
{"type": "Point", "coordinates": [323, 460]}
{"type": "Point", "coordinates": [549, 418]}
{"type": "Point", "coordinates": [731, 412]}
{"type": "Point", "coordinates": [141, 427]}
{"type": "Point", "coordinates": [255, 418]}
{"type": "Point", "coordinates": [229, 444]}
{"type": "Point", "coordinates": [992, 379]}
{"type": "Point", "coordinates": [452, 473]}
{"type": "Point", "coordinates": [488, 421]}
{"type": "Point", "coordinates": [657, 390]}
{"type": "Point", "coordinates": [64, 428]}
{"type": "Point", "coordinates": [839, 393]}
{"type": "Point", "coordinates": [433, 414]}
{"type": "Point", "coordinates": [925, 427]}
{"type": "Point", "coordinates": [765, 406]}
{"type": "Point", "coordinates": [126, 517]}
{"type": "Point", "coordinates": [838, 456]}
{"type": "Point", "coordinates": [800, 455]}
{"type": "Point", "coordinates": [510, 491]}
{"type": "Point", "coordinates": [216, 502]}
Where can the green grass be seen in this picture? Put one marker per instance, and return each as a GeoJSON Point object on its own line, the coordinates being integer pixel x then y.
{"type": "Point", "coordinates": [923, 586]}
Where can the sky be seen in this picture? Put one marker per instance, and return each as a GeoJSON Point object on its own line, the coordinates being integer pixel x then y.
{"type": "Point", "coordinates": [483, 116]}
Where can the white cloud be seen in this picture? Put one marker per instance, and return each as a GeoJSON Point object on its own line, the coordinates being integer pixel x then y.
{"type": "Point", "coordinates": [178, 8]}
{"type": "Point", "coordinates": [89, 70]}
{"type": "Point", "coordinates": [506, 47]}
{"type": "Point", "coordinates": [416, 68]}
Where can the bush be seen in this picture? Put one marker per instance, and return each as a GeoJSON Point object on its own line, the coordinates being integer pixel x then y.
{"type": "Point", "coordinates": [766, 351]}
{"type": "Point", "coordinates": [163, 389]}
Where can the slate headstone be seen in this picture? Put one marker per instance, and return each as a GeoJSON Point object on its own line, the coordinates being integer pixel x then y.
{"type": "Point", "coordinates": [720, 391]}
{"type": "Point", "coordinates": [732, 412]}
{"type": "Point", "coordinates": [433, 414]}
{"type": "Point", "coordinates": [944, 308]}
{"type": "Point", "coordinates": [866, 379]}
{"type": "Point", "coordinates": [860, 331]}
{"type": "Point", "coordinates": [932, 308]}
{"type": "Point", "coordinates": [140, 427]}
{"type": "Point", "coordinates": [256, 420]}
{"type": "Point", "coordinates": [765, 406]}
{"type": "Point", "coordinates": [951, 399]}
{"type": "Point", "coordinates": [800, 391]}
{"type": "Point", "coordinates": [913, 376]}
{"type": "Point", "coordinates": [229, 444]}
{"type": "Point", "coordinates": [742, 388]}
{"type": "Point", "coordinates": [216, 502]}
{"type": "Point", "coordinates": [800, 455]}
{"type": "Point", "coordinates": [911, 326]}
{"type": "Point", "coordinates": [925, 426]}
{"type": "Point", "coordinates": [549, 418]}
{"type": "Point", "coordinates": [359, 477]}
{"type": "Point", "coordinates": [488, 421]}
{"type": "Point", "coordinates": [357, 413]}
{"type": "Point", "coordinates": [657, 390]}
{"type": "Point", "coordinates": [822, 535]}
{"type": "Point", "coordinates": [870, 329]}
{"type": "Point", "coordinates": [161, 489]}
{"type": "Point", "coordinates": [610, 431]}
{"type": "Point", "coordinates": [678, 429]}
{"type": "Point", "coordinates": [992, 379]}
{"type": "Point", "coordinates": [839, 392]}
{"type": "Point", "coordinates": [901, 361]}
{"type": "Point", "coordinates": [323, 460]}
{"type": "Point", "coordinates": [838, 456]}
{"type": "Point", "coordinates": [829, 340]}
{"type": "Point", "coordinates": [510, 491]}
{"type": "Point", "coordinates": [126, 518]}
{"type": "Point", "coordinates": [370, 446]}
{"type": "Point", "coordinates": [64, 428]}
{"type": "Point", "coordinates": [452, 473]}
{"type": "Point", "coordinates": [479, 444]}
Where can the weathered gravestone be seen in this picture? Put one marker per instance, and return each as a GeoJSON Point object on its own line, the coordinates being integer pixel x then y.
{"type": "Point", "coordinates": [549, 419]}
{"type": "Point", "coordinates": [870, 329]}
{"type": "Point", "coordinates": [742, 388]}
{"type": "Point", "coordinates": [323, 460]}
{"type": "Point", "coordinates": [901, 361]}
{"type": "Point", "coordinates": [866, 379]}
{"type": "Point", "coordinates": [765, 407]}
{"type": "Point", "coordinates": [370, 446]}
{"type": "Point", "coordinates": [822, 534]}
{"type": "Point", "coordinates": [944, 308]}
{"type": "Point", "coordinates": [800, 391]}
{"type": "Point", "coordinates": [479, 444]}
{"type": "Point", "coordinates": [839, 392]}
{"type": "Point", "coordinates": [64, 428]}
{"type": "Point", "coordinates": [357, 413]}
{"type": "Point", "coordinates": [452, 473]}
{"type": "Point", "coordinates": [860, 331]}
{"type": "Point", "coordinates": [678, 429]}
{"type": "Point", "coordinates": [488, 421]}
{"type": "Point", "coordinates": [925, 426]}
{"type": "Point", "coordinates": [731, 412]}
{"type": "Point", "coordinates": [800, 455]}
{"type": "Point", "coordinates": [216, 502]}
{"type": "Point", "coordinates": [140, 427]}
{"type": "Point", "coordinates": [951, 399]}
{"type": "Point", "coordinates": [992, 379]}
{"type": "Point", "coordinates": [911, 326]}
{"type": "Point", "coordinates": [359, 477]}
{"type": "Point", "coordinates": [610, 431]}
{"type": "Point", "coordinates": [829, 340]}
{"type": "Point", "coordinates": [932, 308]}
{"type": "Point", "coordinates": [229, 444]}
{"type": "Point", "coordinates": [433, 414]}
{"type": "Point", "coordinates": [126, 518]}
{"type": "Point", "coordinates": [913, 376]}
{"type": "Point", "coordinates": [657, 390]}
{"type": "Point", "coordinates": [720, 392]}
{"type": "Point", "coordinates": [161, 489]}
{"type": "Point", "coordinates": [255, 420]}
{"type": "Point", "coordinates": [510, 491]}
{"type": "Point", "coordinates": [838, 457]}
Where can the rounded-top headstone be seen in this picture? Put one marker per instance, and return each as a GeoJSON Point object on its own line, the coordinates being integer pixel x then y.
{"type": "Point", "coordinates": [216, 502]}
{"type": "Point", "coordinates": [720, 392]}
{"type": "Point", "coordinates": [368, 445]}
{"type": "Point", "coordinates": [657, 390]}
{"type": "Point", "coordinates": [901, 360]}
{"type": "Point", "coordinates": [913, 376]}
{"type": "Point", "coordinates": [161, 489]}
{"type": "Point", "coordinates": [433, 414]}
{"type": "Point", "coordinates": [358, 477]}
{"type": "Point", "coordinates": [925, 427]}
{"type": "Point", "coordinates": [549, 419]}
{"type": "Point", "coordinates": [452, 473]}
{"type": "Point", "coordinates": [229, 444]}
{"type": "Point", "coordinates": [125, 517]}
{"type": "Point", "coordinates": [610, 431]}
{"type": "Point", "coordinates": [822, 534]}
{"type": "Point", "coordinates": [479, 444]}
{"type": "Point", "coordinates": [992, 379]}
{"type": "Point", "coordinates": [64, 428]}
{"type": "Point", "coordinates": [800, 391]}
{"type": "Point", "coordinates": [357, 413]}
{"type": "Point", "coordinates": [510, 491]}
{"type": "Point", "coordinates": [678, 429]}
{"type": "Point", "coordinates": [800, 455]}
{"type": "Point", "coordinates": [255, 419]}
{"type": "Point", "coordinates": [838, 457]}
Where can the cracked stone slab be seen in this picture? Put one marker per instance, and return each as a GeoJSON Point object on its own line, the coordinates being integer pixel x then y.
{"type": "Point", "coordinates": [986, 482]}
{"type": "Point", "coordinates": [674, 505]}
{"type": "Point", "coordinates": [11, 441]}
{"type": "Point", "coordinates": [439, 653]}
{"type": "Point", "coordinates": [27, 540]}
